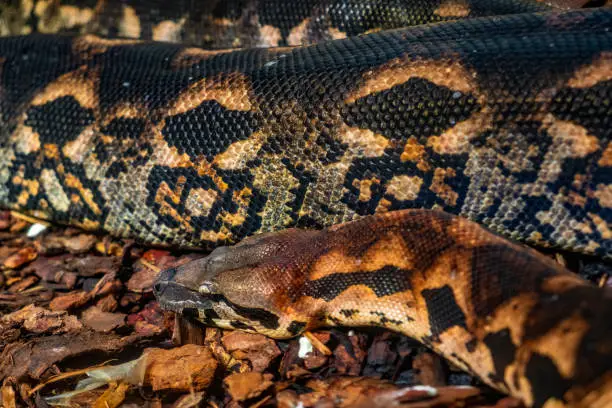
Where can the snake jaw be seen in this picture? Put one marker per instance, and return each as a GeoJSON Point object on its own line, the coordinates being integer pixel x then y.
{"type": "Point", "coordinates": [175, 295]}
{"type": "Point", "coordinates": [208, 288]}
{"type": "Point", "coordinates": [192, 291]}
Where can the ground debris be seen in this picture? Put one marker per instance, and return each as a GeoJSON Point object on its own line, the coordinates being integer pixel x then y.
{"type": "Point", "coordinates": [31, 359]}
{"type": "Point", "coordinates": [74, 306]}
{"type": "Point", "coordinates": [101, 321]}
{"type": "Point", "coordinates": [39, 320]}
{"type": "Point", "coordinates": [256, 348]}
{"type": "Point", "coordinates": [186, 368]}
{"type": "Point", "coordinates": [244, 386]}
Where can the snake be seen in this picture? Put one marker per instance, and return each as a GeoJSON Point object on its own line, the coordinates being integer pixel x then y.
{"type": "Point", "coordinates": [350, 163]}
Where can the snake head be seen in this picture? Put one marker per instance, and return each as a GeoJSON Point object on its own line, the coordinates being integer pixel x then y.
{"type": "Point", "coordinates": [249, 286]}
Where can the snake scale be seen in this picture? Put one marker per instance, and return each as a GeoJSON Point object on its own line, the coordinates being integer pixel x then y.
{"type": "Point", "coordinates": [387, 149]}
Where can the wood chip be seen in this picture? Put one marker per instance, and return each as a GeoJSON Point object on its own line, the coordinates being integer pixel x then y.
{"type": "Point", "coordinates": [258, 349]}
{"type": "Point", "coordinates": [19, 259]}
{"type": "Point", "coordinates": [186, 368]}
{"type": "Point", "coordinates": [102, 321]}
{"type": "Point", "coordinates": [244, 386]}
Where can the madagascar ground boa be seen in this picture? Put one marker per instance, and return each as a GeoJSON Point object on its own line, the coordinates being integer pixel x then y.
{"type": "Point", "coordinates": [503, 120]}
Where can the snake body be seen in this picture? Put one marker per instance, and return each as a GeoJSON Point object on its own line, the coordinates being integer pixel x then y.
{"type": "Point", "coordinates": [505, 313]}
{"type": "Point", "coordinates": [502, 120]}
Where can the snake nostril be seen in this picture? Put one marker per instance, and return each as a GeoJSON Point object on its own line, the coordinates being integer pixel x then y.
{"type": "Point", "coordinates": [157, 287]}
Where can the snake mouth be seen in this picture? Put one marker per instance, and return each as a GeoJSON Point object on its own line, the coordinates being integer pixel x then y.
{"type": "Point", "coordinates": [177, 297]}
{"type": "Point", "coordinates": [211, 308]}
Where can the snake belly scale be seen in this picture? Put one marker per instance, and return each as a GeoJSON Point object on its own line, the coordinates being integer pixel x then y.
{"type": "Point", "coordinates": [504, 121]}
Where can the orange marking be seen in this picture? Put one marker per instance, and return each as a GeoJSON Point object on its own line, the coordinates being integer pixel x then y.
{"type": "Point", "coordinates": [444, 191]}
{"type": "Point", "coordinates": [404, 187]}
{"type": "Point", "coordinates": [230, 90]}
{"type": "Point", "coordinates": [453, 8]}
{"type": "Point", "coordinates": [457, 139]}
{"type": "Point", "coordinates": [90, 45]}
{"type": "Point", "coordinates": [448, 73]}
{"type": "Point", "coordinates": [577, 139]}
{"type": "Point", "coordinates": [51, 151]}
{"type": "Point", "coordinates": [239, 153]}
{"type": "Point", "coordinates": [269, 36]}
{"type": "Point", "coordinates": [86, 194]}
{"type": "Point", "coordinates": [168, 30]}
{"type": "Point", "coordinates": [606, 157]}
{"type": "Point", "coordinates": [415, 152]}
{"type": "Point", "coordinates": [365, 188]}
{"type": "Point", "coordinates": [363, 142]}
{"type": "Point", "coordinates": [589, 75]}
{"type": "Point", "coordinates": [129, 25]}
{"type": "Point", "coordinates": [191, 56]}
{"type": "Point", "coordinates": [603, 193]}
{"type": "Point", "coordinates": [206, 169]}
{"type": "Point", "coordinates": [81, 84]}
{"type": "Point", "coordinates": [297, 35]}
{"type": "Point", "coordinates": [601, 225]}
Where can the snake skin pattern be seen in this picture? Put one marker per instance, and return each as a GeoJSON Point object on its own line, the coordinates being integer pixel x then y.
{"type": "Point", "coordinates": [242, 23]}
{"type": "Point", "coordinates": [501, 120]}
{"type": "Point", "coordinates": [504, 121]}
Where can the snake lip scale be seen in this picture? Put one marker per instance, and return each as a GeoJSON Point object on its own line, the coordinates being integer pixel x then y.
{"type": "Point", "coordinates": [414, 162]}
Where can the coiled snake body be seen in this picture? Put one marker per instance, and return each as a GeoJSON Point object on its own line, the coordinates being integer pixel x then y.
{"type": "Point", "coordinates": [504, 121]}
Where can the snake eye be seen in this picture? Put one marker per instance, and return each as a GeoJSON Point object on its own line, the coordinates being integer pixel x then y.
{"type": "Point", "coordinates": [208, 288]}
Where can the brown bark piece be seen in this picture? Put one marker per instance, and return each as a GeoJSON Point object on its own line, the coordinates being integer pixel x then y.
{"type": "Point", "coordinates": [71, 300]}
{"type": "Point", "coordinates": [7, 395]}
{"type": "Point", "coordinates": [382, 358]}
{"type": "Point", "coordinates": [256, 348]}
{"type": "Point", "coordinates": [53, 269]}
{"type": "Point", "coordinates": [344, 391]}
{"type": "Point", "coordinates": [92, 265]}
{"type": "Point", "coordinates": [36, 356]}
{"type": "Point", "coordinates": [349, 362]}
{"type": "Point", "coordinates": [107, 304]}
{"type": "Point", "coordinates": [102, 321]}
{"type": "Point", "coordinates": [5, 220]}
{"type": "Point", "coordinates": [23, 284]}
{"type": "Point", "coordinates": [112, 397]}
{"type": "Point", "coordinates": [77, 244]}
{"type": "Point", "coordinates": [20, 258]}
{"type": "Point", "coordinates": [148, 321]}
{"type": "Point", "coordinates": [421, 397]}
{"type": "Point", "coordinates": [39, 320]}
{"type": "Point", "coordinates": [430, 370]}
{"type": "Point", "coordinates": [186, 368]}
{"type": "Point", "coordinates": [244, 386]}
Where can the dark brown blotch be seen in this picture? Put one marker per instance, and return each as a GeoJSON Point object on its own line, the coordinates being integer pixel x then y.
{"type": "Point", "coordinates": [385, 281]}
{"type": "Point", "coordinates": [503, 352]}
{"type": "Point", "coordinates": [443, 310]}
